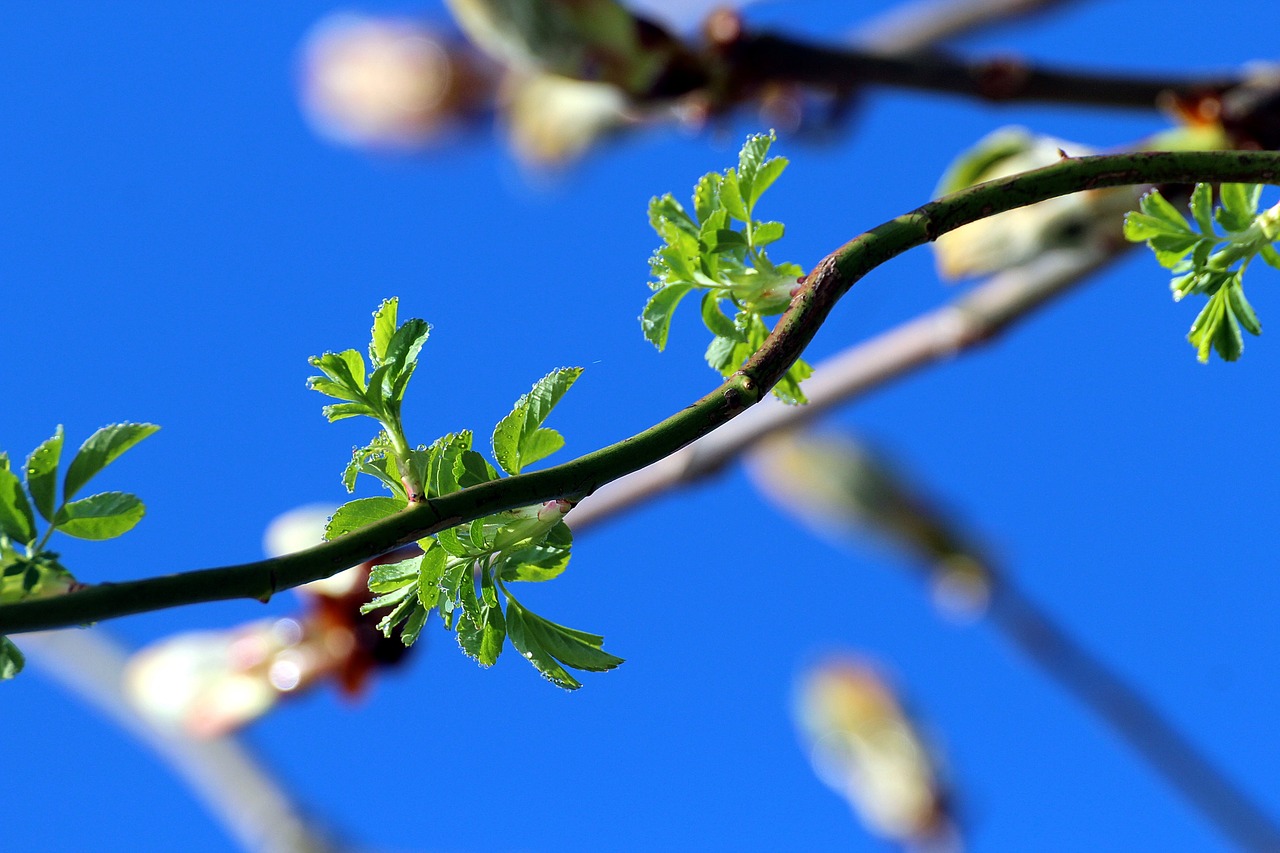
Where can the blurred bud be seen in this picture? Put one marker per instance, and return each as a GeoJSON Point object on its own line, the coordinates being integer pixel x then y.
{"type": "Point", "coordinates": [1012, 238]}
{"type": "Point", "coordinates": [389, 82]}
{"type": "Point", "coordinates": [553, 120]}
{"type": "Point", "coordinates": [864, 746]}
{"type": "Point", "coordinates": [591, 40]}
{"type": "Point", "coordinates": [835, 485]}
{"type": "Point", "coordinates": [212, 682]}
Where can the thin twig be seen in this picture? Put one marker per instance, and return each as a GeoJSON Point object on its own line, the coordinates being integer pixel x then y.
{"type": "Point", "coordinates": [1133, 717]}
{"type": "Point", "coordinates": [936, 336]}
{"type": "Point", "coordinates": [255, 809]}
{"type": "Point", "coordinates": [758, 59]}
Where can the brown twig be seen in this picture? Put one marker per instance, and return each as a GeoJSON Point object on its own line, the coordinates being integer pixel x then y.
{"type": "Point", "coordinates": [757, 59]}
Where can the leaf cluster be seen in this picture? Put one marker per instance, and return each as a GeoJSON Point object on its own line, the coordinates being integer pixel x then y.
{"type": "Point", "coordinates": [461, 573]}
{"type": "Point", "coordinates": [718, 248]}
{"type": "Point", "coordinates": [27, 568]}
{"type": "Point", "coordinates": [1206, 263]}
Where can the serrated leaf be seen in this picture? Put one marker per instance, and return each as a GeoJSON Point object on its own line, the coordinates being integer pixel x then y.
{"type": "Point", "coordinates": [384, 327]}
{"type": "Point", "coordinates": [451, 539]}
{"type": "Point", "coordinates": [1155, 205]}
{"type": "Point", "coordinates": [402, 357]}
{"type": "Point", "coordinates": [472, 469]}
{"type": "Point", "coordinates": [1241, 309]}
{"type": "Point", "coordinates": [361, 513]}
{"type": "Point", "coordinates": [345, 368]}
{"type": "Point", "coordinates": [666, 207]}
{"type": "Point", "coordinates": [42, 474]}
{"type": "Point", "coordinates": [16, 519]}
{"type": "Point", "coordinates": [731, 197]}
{"type": "Point", "coordinates": [573, 648]}
{"type": "Point", "coordinates": [516, 438]}
{"type": "Point", "coordinates": [102, 516]}
{"type": "Point", "coordinates": [1239, 205]}
{"type": "Point", "coordinates": [543, 561]}
{"type": "Point", "coordinates": [769, 172]}
{"type": "Point", "coordinates": [767, 232]}
{"type": "Point", "coordinates": [529, 646]}
{"type": "Point", "coordinates": [706, 195]}
{"type": "Point", "coordinates": [413, 624]}
{"type": "Point", "coordinates": [387, 577]}
{"type": "Point", "coordinates": [1202, 207]}
{"type": "Point", "coordinates": [100, 450]}
{"type": "Point", "coordinates": [655, 321]}
{"type": "Point", "coordinates": [722, 354]}
{"type": "Point", "coordinates": [11, 659]}
{"type": "Point", "coordinates": [750, 161]}
{"type": "Point", "coordinates": [715, 320]}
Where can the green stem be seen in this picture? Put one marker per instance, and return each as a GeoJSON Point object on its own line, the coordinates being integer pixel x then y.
{"type": "Point", "coordinates": [830, 280]}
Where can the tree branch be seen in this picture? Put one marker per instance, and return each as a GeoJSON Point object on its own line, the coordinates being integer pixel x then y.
{"type": "Point", "coordinates": [255, 809]}
{"type": "Point", "coordinates": [758, 59]}
{"type": "Point", "coordinates": [812, 302]}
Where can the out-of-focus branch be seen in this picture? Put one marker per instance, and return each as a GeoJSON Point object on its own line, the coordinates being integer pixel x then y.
{"type": "Point", "coordinates": [237, 790]}
{"type": "Point", "coordinates": [755, 60]}
{"type": "Point", "coordinates": [1132, 716]}
{"type": "Point", "coordinates": [939, 335]}
{"type": "Point", "coordinates": [917, 25]}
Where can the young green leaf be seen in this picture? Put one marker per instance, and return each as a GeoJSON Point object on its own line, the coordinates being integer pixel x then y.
{"type": "Point", "coordinates": [519, 439]}
{"type": "Point", "coordinates": [11, 659]}
{"type": "Point", "coordinates": [361, 513]}
{"type": "Point", "coordinates": [100, 450]}
{"type": "Point", "coordinates": [384, 327]}
{"type": "Point", "coordinates": [388, 577]}
{"type": "Point", "coordinates": [548, 645]}
{"type": "Point", "coordinates": [655, 321]}
{"type": "Point", "coordinates": [541, 561]}
{"type": "Point", "coordinates": [42, 474]}
{"type": "Point", "coordinates": [16, 519]}
{"type": "Point", "coordinates": [101, 516]}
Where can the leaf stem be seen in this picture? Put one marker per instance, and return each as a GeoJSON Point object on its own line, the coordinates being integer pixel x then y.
{"type": "Point", "coordinates": [813, 301]}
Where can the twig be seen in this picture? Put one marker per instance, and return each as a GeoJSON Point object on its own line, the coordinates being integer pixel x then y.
{"type": "Point", "coordinates": [240, 792]}
{"type": "Point", "coordinates": [757, 59]}
{"type": "Point", "coordinates": [813, 300]}
{"type": "Point", "coordinates": [1134, 718]}
{"type": "Point", "coordinates": [936, 336]}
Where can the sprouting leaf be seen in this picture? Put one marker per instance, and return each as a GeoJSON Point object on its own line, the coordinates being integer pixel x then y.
{"type": "Point", "coordinates": [42, 474]}
{"type": "Point", "coordinates": [1239, 205]}
{"type": "Point", "coordinates": [1207, 264]}
{"type": "Point", "coordinates": [16, 520]}
{"type": "Point", "coordinates": [401, 358]}
{"type": "Point", "coordinates": [656, 319]}
{"type": "Point", "coordinates": [101, 516]}
{"type": "Point", "coordinates": [346, 375]}
{"type": "Point", "coordinates": [384, 327]}
{"type": "Point", "coordinates": [548, 645]}
{"type": "Point", "coordinates": [542, 561]}
{"type": "Point", "coordinates": [519, 439]}
{"type": "Point", "coordinates": [388, 577]}
{"type": "Point", "coordinates": [11, 659]}
{"type": "Point", "coordinates": [99, 451]}
{"type": "Point", "coordinates": [361, 513]}
{"type": "Point", "coordinates": [482, 629]}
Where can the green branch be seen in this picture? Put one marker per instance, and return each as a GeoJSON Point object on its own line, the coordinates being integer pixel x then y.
{"type": "Point", "coordinates": [813, 301]}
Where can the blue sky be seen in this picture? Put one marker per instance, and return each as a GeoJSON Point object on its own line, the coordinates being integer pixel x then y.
{"type": "Point", "coordinates": [175, 241]}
